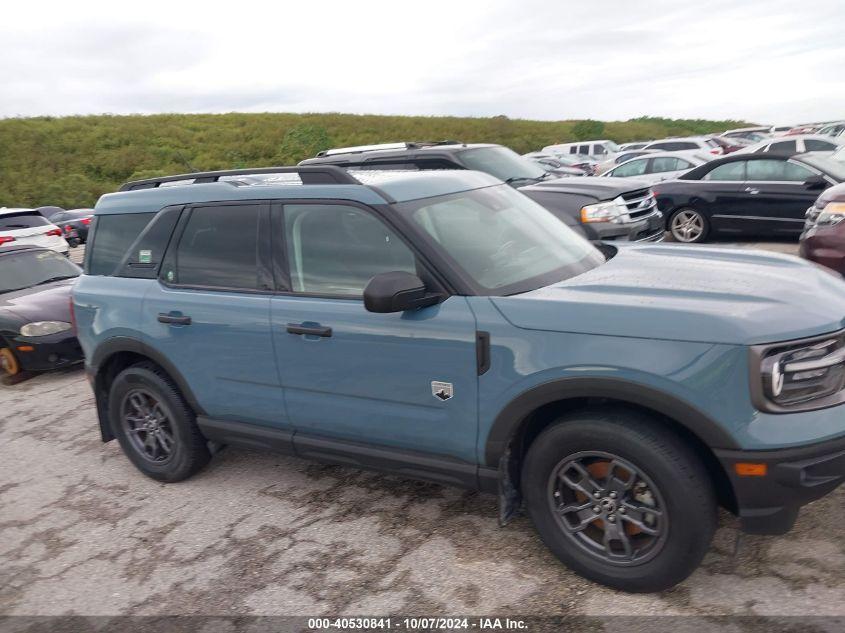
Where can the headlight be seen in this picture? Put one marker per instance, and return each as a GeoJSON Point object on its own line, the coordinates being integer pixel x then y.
{"type": "Point", "coordinates": [603, 211]}
{"type": "Point", "coordinates": [801, 375]}
{"type": "Point", "coordinates": [43, 328]}
{"type": "Point", "coordinates": [833, 213]}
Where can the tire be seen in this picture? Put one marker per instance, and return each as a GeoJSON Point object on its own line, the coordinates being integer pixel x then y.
{"type": "Point", "coordinates": [9, 364]}
{"type": "Point", "coordinates": [677, 487]}
{"type": "Point", "coordinates": [697, 227]}
{"type": "Point", "coordinates": [145, 387]}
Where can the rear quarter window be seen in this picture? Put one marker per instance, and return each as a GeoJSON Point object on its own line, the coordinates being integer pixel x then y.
{"type": "Point", "coordinates": [113, 235]}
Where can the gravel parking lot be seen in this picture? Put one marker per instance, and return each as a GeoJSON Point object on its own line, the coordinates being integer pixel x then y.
{"type": "Point", "coordinates": [84, 533]}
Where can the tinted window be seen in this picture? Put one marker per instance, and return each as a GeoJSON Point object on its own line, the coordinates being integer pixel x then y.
{"type": "Point", "coordinates": [729, 171]}
{"type": "Point", "coordinates": [337, 249]}
{"type": "Point", "coordinates": [148, 250]}
{"type": "Point", "coordinates": [783, 146]}
{"type": "Point", "coordinates": [584, 149]}
{"type": "Point", "coordinates": [815, 145]}
{"type": "Point", "coordinates": [674, 146]}
{"type": "Point", "coordinates": [22, 220]}
{"type": "Point", "coordinates": [29, 268]}
{"type": "Point", "coordinates": [777, 170]}
{"type": "Point", "coordinates": [599, 150]}
{"type": "Point", "coordinates": [113, 235]}
{"type": "Point", "coordinates": [631, 168]}
{"type": "Point", "coordinates": [665, 163]}
{"type": "Point", "coordinates": [573, 149]}
{"type": "Point", "coordinates": [219, 248]}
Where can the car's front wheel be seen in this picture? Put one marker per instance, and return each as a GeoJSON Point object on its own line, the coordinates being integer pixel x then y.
{"type": "Point", "coordinates": [155, 427]}
{"type": "Point", "coordinates": [620, 499]}
{"type": "Point", "coordinates": [688, 226]}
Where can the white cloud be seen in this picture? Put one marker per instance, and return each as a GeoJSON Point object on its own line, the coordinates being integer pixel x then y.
{"type": "Point", "coordinates": [761, 60]}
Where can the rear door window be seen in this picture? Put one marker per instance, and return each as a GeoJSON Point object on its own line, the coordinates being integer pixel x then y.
{"type": "Point", "coordinates": [783, 146]}
{"type": "Point", "coordinates": [734, 171]}
{"type": "Point", "coordinates": [665, 163]}
{"type": "Point", "coordinates": [777, 171]}
{"type": "Point", "coordinates": [219, 248]}
{"type": "Point", "coordinates": [113, 235]}
{"type": "Point", "coordinates": [816, 145]}
{"type": "Point", "coordinates": [631, 168]}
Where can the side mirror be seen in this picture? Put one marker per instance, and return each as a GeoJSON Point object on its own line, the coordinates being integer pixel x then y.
{"type": "Point", "coordinates": [396, 292]}
{"type": "Point", "coordinates": [816, 182]}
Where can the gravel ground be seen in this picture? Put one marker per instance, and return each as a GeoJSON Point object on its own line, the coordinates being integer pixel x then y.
{"type": "Point", "coordinates": [257, 533]}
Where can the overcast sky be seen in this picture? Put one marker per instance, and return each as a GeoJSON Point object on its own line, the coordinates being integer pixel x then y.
{"type": "Point", "coordinates": [759, 60]}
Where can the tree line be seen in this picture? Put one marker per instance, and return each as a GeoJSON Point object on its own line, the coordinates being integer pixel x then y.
{"type": "Point", "coordinates": [71, 161]}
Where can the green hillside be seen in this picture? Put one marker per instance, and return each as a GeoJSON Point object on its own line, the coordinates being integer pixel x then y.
{"type": "Point", "coordinates": [70, 161]}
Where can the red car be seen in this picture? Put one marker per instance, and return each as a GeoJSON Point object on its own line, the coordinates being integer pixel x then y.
{"type": "Point", "coordinates": [823, 239]}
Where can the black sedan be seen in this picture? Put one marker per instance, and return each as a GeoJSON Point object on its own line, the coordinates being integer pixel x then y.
{"type": "Point", "coordinates": [35, 321]}
{"type": "Point", "coordinates": [759, 195]}
{"type": "Point", "coordinates": [78, 220]}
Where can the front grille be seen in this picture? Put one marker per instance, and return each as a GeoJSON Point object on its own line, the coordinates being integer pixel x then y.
{"type": "Point", "coordinates": [640, 202]}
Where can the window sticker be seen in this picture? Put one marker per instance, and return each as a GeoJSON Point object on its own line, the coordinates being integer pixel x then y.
{"type": "Point", "coordinates": [145, 257]}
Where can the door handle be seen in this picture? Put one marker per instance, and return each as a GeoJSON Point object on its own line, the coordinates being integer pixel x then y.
{"type": "Point", "coordinates": [311, 330]}
{"type": "Point", "coordinates": [173, 319]}
{"type": "Point", "coordinates": [752, 190]}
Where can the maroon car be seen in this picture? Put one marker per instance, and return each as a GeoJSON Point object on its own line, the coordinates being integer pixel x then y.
{"type": "Point", "coordinates": [823, 239]}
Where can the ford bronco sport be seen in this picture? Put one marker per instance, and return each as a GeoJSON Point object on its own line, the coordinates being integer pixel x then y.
{"type": "Point", "coordinates": [442, 325]}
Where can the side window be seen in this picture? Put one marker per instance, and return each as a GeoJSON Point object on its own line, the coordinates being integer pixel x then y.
{"type": "Point", "coordinates": [729, 171]}
{"type": "Point", "coordinates": [146, 253]}
{"type": "Point", "coordinates": [218, 248]}
{"type": "Point", "coordinates": [573, 149]}
{"type": "Point", "coordinates": [599, 150]}
{"type": "Point", "coordinates": [112, 237]}
{"type": "Point", "coordinates": [777, 170]}
{"type": "Point", "coordinates": [815, 145]}
{"type": "Point", "coordinates": [631, 168]}
{"type": "Point", "coordinates": [783, 146]}
{"type": "Point", "coordinates": [665, 163]}
{"type": "Point", "coordinates": [335, 249]}
{"type": "Point", "coordinates": [584, 149]}
{"type": "Point", "coordinates": [683, 164]}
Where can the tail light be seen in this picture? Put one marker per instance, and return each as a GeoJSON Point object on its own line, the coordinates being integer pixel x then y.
{"type": "Point", "coordinates": [56, 232]}
{"type": "Point", "coordinates": [68, 228]}
{"type": "Point", "coordinates": [5, 239]}
{"type": "Point", "coordinates": [86, 221]}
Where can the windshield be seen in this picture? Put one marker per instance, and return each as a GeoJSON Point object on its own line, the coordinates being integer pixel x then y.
{"type": "Point", "coordinates": [503, 163]}
{"type": "Point", "coordinates": [502, 241]}
{"type": "Point", "coordinates": [30, 268]}
{"type": "Point", "coordinates": [611, 146]}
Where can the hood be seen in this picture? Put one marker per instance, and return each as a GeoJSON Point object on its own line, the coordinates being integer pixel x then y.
{"type": "Point", "coordinates": [50, 302]}
{"type": "Point", "coordinates": [598, 188]}
{"type": "Point", "coordinates": [707, 295]}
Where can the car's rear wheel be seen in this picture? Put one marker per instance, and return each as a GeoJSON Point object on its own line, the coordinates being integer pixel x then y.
{"type": "Point", "coordinates": [688, 226]}
{"type": "Point", "coordinates": [620, 499]}
{"type": "Point", "coordinates": [8, 362]}
{"type": "Point", "coordinates": [155, 427]}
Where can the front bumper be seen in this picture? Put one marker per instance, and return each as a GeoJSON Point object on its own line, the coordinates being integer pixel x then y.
{"type": "Point", "coordinates": [48, 352]}
{"type": "Point", "coordinates": [769, 504]}
{"type": "Point", "coordinates": [647, 229]}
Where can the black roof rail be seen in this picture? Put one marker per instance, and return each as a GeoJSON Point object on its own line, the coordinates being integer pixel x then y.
{"type": "Point", "coordinates": [309, 174]}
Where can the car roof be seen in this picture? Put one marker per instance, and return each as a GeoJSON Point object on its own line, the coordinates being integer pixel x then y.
{"type": "Point", "coordinates": [339, 156]}
{"type": "Point", "coordinates": [365, 187]}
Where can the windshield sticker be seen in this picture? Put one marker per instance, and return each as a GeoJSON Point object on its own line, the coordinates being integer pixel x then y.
{"type": "Point", "coordinates": [145, 257]}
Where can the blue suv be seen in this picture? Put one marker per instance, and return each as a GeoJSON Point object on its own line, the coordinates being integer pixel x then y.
{"type": "Point", "coordinates": [442, 325]}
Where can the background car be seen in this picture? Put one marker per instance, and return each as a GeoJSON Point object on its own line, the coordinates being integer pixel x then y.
{"type": "Point", "coordinates": [620, 158]}
{"type": "Point", "coordinates": [654, 167]}
{"type": "Point", "coordinates": [27, 227]}
{"type": "Point", "coordinates": [78, 220]}
{"type": "Point", "coordinates": [833, 129]}
{"type": "Point", "coordinates": [700, 143]}
{"type": "Point", "coordinates": [35, 322]}
{"type": "Point", "coordinates": [624, 147]}
{"type": "Point", "coordinates": [751, 194]}
{"type": "Point", "coordinates": [796, 144]}
{"type": "Point", "coordinates": [823, 239]}
{"type": "Point", "coordinates": [757, 133]}
{"type": "Point", "coordinates": [586, 165]}
{"type": "Point", "coordinates": [730, 144]}
{"type": "Point", "coordinates": [598, 150]}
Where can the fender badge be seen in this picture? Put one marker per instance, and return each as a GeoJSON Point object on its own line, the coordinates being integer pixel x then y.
{"type": "Point", "coordinates": [441, 390]}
